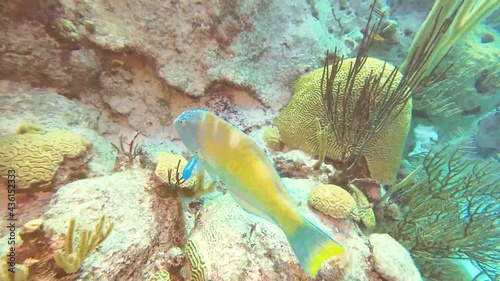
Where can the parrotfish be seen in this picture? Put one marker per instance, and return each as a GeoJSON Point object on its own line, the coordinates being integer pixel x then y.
{"type": "Point", "coordinates": [234, 160]}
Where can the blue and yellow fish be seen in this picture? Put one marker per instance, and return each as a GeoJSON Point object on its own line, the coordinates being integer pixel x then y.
{"type": "Point", "coordinates": [233, 159]}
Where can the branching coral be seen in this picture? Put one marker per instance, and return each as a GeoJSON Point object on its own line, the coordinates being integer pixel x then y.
{"type": "Point", "coordinates": [127, 152]}
{"type": "Point", "coordinates": [71, 258]}
{"type": "Point", "coordinates": [452, 211]}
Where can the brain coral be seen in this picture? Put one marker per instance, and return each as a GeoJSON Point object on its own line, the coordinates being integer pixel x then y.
{"type": "Point", "coordinates": [332, 200]}
{"type": "Point", "coordinates": [160, 275]}
{"type": "Point", "coordinates": [36, 157]}
{"type": "Point", "coordinates": [197, 270]}
{"type": "Point", "coordinates": [297, 123]}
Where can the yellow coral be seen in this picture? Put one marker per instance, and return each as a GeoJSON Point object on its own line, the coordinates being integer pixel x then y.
{"type": "Point", "coordinates": [36, 157]}
{"type": "Point", "coordinates": [30, 128]}
{"type": "Point", "coordinates": [68, 144]}
{"type": "Point", "coordinates": [168, 162]}
{"type": "Point", "coordinates": [332, 200]}
{"type": "Point", "coordinates": [271, 137]}
{"type": "Point", "coordinates": [365, 211]}
{"type": "Point", "coordinates": [336, 202]}
{"type": "Point", "coordinates": [21, 272]}
{"type": "Point", "coordinates": [297, 123]}
{"type": "Point", "coordinates": [71, 258]}
{"type": "Point", "coordinates": [160, 275]}
{"type": "Point", "coordinates": [197, 270]}
{"type": "Point", "coordinates": [192, 188]}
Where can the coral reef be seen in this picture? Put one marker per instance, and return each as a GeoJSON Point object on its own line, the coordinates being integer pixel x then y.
{"type": "Point", "coordinates": [126, 152]}
{"type": "Point", "coordinates": [21, 105]}
{"type": "Point", "coordinates": [271, 137]}
{"type": "Point", "coordinates": [486, 136]}
{"type": "Point", "coordinates": [448, 269]}
{"type": "Point", "coordinates": [227, 242]}
{"type": "Point", "coordinates": [72, 257]}
{"type": "Point", "coordinates": [455, 195]}
{"type": "Point", "coordinates": [338, 203]}
{"type": "Point", "coordinates": [132, 250]}
{"type": "Point", "coordinates": [38, 158]}
{"type": "Point", "coordinates": [297, 164]}
{"type": "Point", "coordinates": [168, 162]}
{"type": "Point", "coordinates": [365, 212]}
{"type": "Point", "coordinates": [106, 79]}
{"type": "Point", "coordinates": [197, 270]}
{"type": "Point", "coordinates": [297, 122]}
{"type": "Point", "coordinates": [334, 201]}
{"type": "Point", "coordinates": [160, 275]}
{"type": "Point", "coordinates": [169, 170]}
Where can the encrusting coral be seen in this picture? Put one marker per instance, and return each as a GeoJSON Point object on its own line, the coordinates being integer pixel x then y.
{"type": "Point", "coordinates": [71, 258]}
{"type": "Point", "coordinates": [36, 157]}
{"type": "Point", "coordinates": [169, 170]}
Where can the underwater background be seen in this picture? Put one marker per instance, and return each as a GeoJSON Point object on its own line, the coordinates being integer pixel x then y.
{"type": "Point", "coordinates": [389, 143]}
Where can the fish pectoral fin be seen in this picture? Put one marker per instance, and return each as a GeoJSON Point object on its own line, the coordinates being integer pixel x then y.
{"type": "Point", "coordinates": [249, 208]}
{"type": "Point", "coordinates": [191, 166]}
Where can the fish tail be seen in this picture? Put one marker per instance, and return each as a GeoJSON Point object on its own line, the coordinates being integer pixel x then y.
{"type": "Point", "coordinates": [312, 246]}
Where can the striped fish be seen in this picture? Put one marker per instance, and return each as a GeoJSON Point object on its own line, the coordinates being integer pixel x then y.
{"type": "Point", "coordinates": [234, 160]}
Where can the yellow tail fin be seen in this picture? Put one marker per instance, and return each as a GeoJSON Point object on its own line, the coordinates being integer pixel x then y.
{"type": "Point", "coordinates": [312, 246]}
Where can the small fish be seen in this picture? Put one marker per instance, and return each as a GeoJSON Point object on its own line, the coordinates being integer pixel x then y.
{"type": "Point", "coordinates": [374, 36]}
{"type": "Point", "coordinates": [233, 159]}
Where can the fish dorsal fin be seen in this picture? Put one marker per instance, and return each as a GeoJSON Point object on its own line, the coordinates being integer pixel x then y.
{"type": "Point", "coordinates": [249, 208]}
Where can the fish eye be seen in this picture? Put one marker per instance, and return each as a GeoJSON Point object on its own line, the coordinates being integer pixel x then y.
{"type": "Point", "coordinates": [183, 122]}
